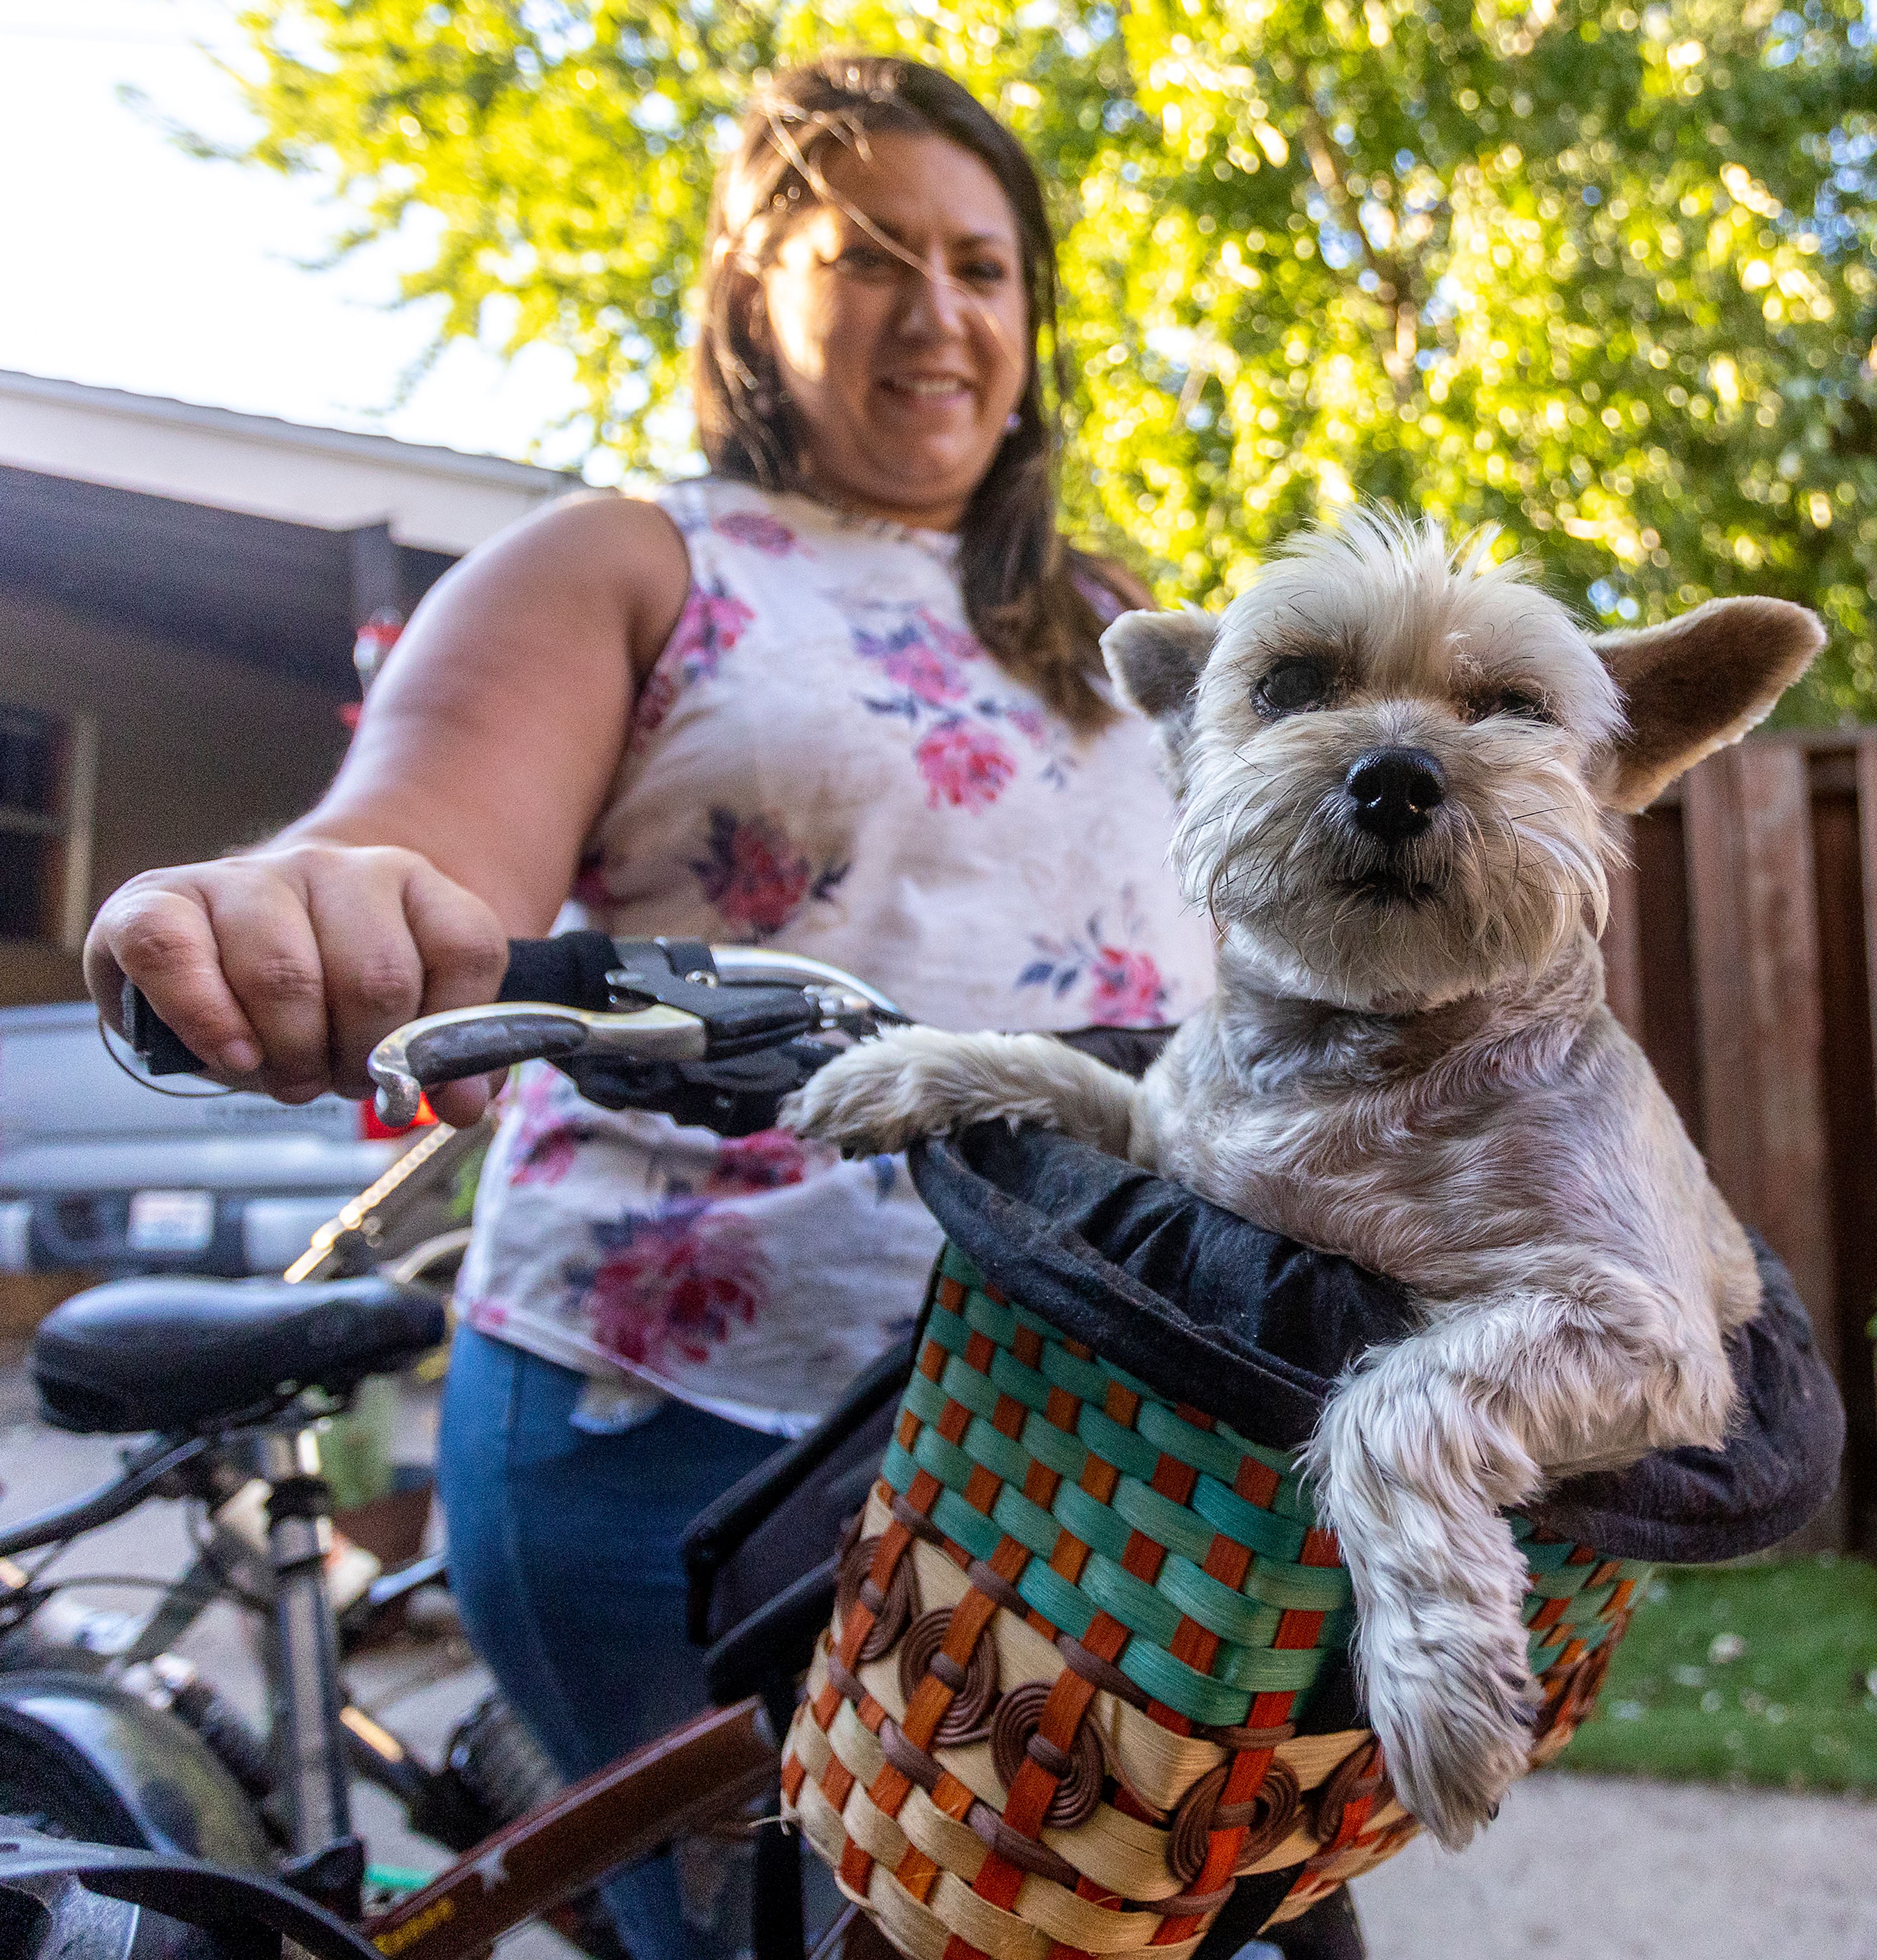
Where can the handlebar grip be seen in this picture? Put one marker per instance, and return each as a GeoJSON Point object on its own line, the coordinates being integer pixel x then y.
{"type": "Point", "coordinates": [569, 970]}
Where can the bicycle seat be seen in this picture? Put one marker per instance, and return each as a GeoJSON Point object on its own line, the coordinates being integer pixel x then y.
{"type": "Point", "coordinates": [182, 1353]}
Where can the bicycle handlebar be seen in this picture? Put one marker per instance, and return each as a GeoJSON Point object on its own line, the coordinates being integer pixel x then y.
{"type": "Point", "coordinates": [645, 1023]}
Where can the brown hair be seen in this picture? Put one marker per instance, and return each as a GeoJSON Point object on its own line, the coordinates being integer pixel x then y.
{"type": "Point", "coordinates": [1032, 598]}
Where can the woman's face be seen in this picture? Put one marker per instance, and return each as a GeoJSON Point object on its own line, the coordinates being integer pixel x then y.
{"type": "Point", "coordinates": [903, 358]}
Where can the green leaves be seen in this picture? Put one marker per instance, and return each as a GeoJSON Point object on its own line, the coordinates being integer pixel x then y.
{"type": "Point", "coordinates": [1599, 273]}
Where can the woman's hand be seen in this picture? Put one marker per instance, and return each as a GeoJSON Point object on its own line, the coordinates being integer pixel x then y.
{"type": "Point", "coordinates": [284, 967]}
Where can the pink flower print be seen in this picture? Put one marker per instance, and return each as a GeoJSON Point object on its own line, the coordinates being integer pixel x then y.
{"type": "Point", "coordinates": [765, 1162]}
{"type": "Point", "coordinates": [757, 530]}
{"type": "Point", "coordinates": [925, 673]}
{"type": "Point", "coordinates": [1125, 989]}
{"type": "Point", "coordinates": [964, 766]}
{"type": "Point", "coordinates": [950, 640]}
{"type": "Point", "coordinates": [675, 1284]}
{"type": "Point", "coordinates": [656, 699]}
{"type": "Point", "coordinates": [708, 628]}
{"type": "Point", "coordinates": [545, 1142]}
{"type": "Point", "coordinates": [756, 875]}
{"type": "Point", "coordinates": [1028, 723]}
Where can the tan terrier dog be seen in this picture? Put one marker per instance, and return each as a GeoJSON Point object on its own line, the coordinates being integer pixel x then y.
{"type": "Point", "coordinates": [1394, 766]}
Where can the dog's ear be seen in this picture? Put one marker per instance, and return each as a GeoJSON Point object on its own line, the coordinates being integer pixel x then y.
{"type": "Point", "coordinates": [1155, 659]}
{"type": "Point", "coordinates": [1696, 685]}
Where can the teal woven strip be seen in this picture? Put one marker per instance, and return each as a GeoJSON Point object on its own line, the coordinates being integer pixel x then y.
{"type": "Point", "coordinates": [1562, 1583]}
{"type": "Point", "coordinates": [1082, 1380]}
{"type": "Point", "coordinates": [995, 1451]}
{"type": "Point", "coordinates": [1165, 1522]}
{"type": "Point", "coordinates": [954, 1265]}
{"type": "Point", "coordinates": [1082, 1516]}
{"type": "Point", "coordinates": [1282, 1461]}
{"type": "Point", "coordinates": [1309, 1589]}
{"type": "Point", "coordinates": [1030, 1525]}
{"type": "Point", "coordinates": [963, 1383]}
{"type": "Point", "coordinates": [1264, 1670]}
{"type": "Point", "coordinates": [947, 1330]}
{"type": "Point", "coordinates": [1259, 1531]}
{"type": "Point", "coordinates": [1591, 1604]}
{"type": "Point", "coordinates": [1135, 1604]}
{"type": "Point", "coordinates": [1215, 1606]}
{"type": "Point", "coordinates": [1187, 1693]}
{"type": "Point", "coordinates": [1197, 1448]}
{"type": "Point", "coordinates": [1055, 1599]}
{"type": "Point", "coordinates": [1133, 1382]}
{"type": "Point", "coordinates": [924, 1398]}
{"type": "Point", "coordinates": [898, 1468]}
{"type": "Point", "coordinates": [1114, 1444]}
{"type": "Point", "coordinates": [945, 1461]}
{"type": "Point", "coordinates": [1019, 1381]}
{"type": "Point", "coordinates": [965, 1526]}
{"type": "Point", "coordinates": [984, 1315]}
{"type": "Point", "coordinates": [1055, 1448]}
{"type": "Point", "coordinates": [1544, 1558]}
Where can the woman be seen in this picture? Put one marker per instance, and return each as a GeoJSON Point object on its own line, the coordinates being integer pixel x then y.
{"type": "Point", "coordinates": [844, 695]}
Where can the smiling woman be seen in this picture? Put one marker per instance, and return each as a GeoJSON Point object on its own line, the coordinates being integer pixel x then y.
{"type": "Point", "coordinates": [844, 695]}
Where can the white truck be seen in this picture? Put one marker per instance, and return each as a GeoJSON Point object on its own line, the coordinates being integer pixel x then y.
{"type": "Point", "coordinates": [100, 1173]}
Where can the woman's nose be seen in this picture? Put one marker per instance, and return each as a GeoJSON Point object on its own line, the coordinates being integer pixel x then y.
{"type": "Point", "coordinates": [936, 304]}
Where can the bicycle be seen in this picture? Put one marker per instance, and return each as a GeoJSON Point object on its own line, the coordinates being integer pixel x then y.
{"type": "Point", "coordinates": [719, 1038]}
{"type": "Point", "coordinates": [218, 1370]}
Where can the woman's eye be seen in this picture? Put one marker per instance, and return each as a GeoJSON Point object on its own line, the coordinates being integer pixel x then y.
{"type": "Point", "coordinates": [985, 271]}
{"type": "Point", "coordinates": [1293, 685]}
{"type": "Point", "coordinates": [865, 259]}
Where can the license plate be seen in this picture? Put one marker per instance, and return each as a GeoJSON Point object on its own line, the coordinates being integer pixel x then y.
{"type": "Point", "coordinates": [171, 1221]}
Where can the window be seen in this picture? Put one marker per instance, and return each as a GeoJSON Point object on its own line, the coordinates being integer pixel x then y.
{"type": "Point", "coordinates": [48, 780]}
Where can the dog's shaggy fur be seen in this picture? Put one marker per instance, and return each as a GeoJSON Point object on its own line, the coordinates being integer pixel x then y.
{"type": "Point", "coordinates": [1408, 1060]}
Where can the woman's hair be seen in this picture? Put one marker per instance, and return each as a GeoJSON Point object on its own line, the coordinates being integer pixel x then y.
{"type": "Point", "coordinates": [1031, 599]}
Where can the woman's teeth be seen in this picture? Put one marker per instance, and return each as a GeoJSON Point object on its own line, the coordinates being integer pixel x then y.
{"type": "Point", "coordinates": [944, 386]}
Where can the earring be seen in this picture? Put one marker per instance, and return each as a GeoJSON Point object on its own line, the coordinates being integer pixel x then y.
{"type": "Point", "coordinates": [1012, 422]}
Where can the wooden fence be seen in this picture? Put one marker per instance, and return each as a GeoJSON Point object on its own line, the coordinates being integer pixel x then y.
{"type": "Point", "coordinates": [1741, 941]}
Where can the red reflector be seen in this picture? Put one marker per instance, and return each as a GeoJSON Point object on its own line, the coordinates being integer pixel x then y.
{"type": "Point", "coordinates": [373, 1131]}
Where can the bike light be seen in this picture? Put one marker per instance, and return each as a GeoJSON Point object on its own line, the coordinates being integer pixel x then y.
{"type": "Point", "coordinates": [373, 1129]}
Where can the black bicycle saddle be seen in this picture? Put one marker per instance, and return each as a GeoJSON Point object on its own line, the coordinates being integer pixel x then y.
{"type": "Point", "coordinates": [182, 1353]}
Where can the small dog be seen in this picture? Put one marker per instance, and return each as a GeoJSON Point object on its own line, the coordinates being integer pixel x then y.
{"type": "Point", "coordinates": [1394, 766]}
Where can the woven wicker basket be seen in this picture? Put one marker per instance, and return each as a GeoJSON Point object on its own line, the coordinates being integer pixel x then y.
{"type": "Point", "coordinates": [1063, 1708]}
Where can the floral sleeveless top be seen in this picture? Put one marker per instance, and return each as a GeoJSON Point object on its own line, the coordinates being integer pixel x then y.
{"type": "Point", "coordinates": [823, 759]}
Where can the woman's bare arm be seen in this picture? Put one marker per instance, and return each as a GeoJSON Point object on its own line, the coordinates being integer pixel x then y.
{"type": "Point", "coordinates": [456, 820]}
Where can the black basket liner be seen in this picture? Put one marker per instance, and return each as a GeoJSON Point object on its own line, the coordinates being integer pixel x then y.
{"type": "Point", "coordinates": [1253, 1328]}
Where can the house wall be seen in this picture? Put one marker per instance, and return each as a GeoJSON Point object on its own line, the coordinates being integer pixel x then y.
{"type": "Point", "coordinates": [197, 753]}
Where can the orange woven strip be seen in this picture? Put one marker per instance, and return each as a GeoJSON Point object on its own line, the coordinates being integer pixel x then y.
{"type": "Point", "coordinates": [981, 1488]}
{"type": "Point", "coordinates": [1062, 1409]}
{"type": "Point", "coordinates": [1122, 1404]}
{"type": "Point", "coordinates": [961, 1949]}
{"type": "Point", "coordinates": [1143, 1557]}
{"type": "Point", "coordinates": [794, 1774]}
{"type": "Point", "coordinates": [827, 1706]}
{"type": "Point", "coordinates": [1606, 1574]}
{"type": "Point", "coordinates": [932, 1361]}
{"type": "Point", "coordinates": [1068, 1557]}
{"type": "Point", "coordinates": [838, 1783]}
{"type": "Point", "coordinates": [1007, 1418]}
{"type": "Point", "coordinates": [992, 1292]}
{"type": "Point", "coordinates": [1032, 1787]}
{"type": "Point", "coordinates": [871, 1714]}
{"type": "Point", "coordinates": [1099, 1478]}
{"type": "Point", "coordinates": [1247, 1771]}
{"type": "Point", "coordinates": [1228, 1561]}
{"type": "Point", "coordinates": [856, 1867]}
{"type": "Point", "coordinates": [926, 1710]}
{"type": "Point", "coordinates": [1027, 1345]}
{"type": "Point", "coordinates": [1079, 1349]}
{"type": "Point", "coordinates": [979, 1349]}
{"type": "Point", "coordinates": [890, 1790]}
{"type": "Point", "coordinates": [1195, 1418]}
{"type": "Point", "coordinates": [1041, 1483]}
{"type": "Point", "coordinates": [893, 1541]}
{"type": "Point", "coordinates": [951, 1294]}
{"type": "Point", "coordinates": [1256, 1483]}
{"type": "Point", "coordinates": [1297, 1629]}
{"type": "Point", "coordinates": [952, 1797]}
{"type": "Point", "coordinates": [1320, 1548]}
{"type": "Point", "coordinates": [1174, 1479]}
{"type": "Point", "coordinates": [954, 1419]}
{"type": "Point", "coordinates": [917, 1872]}
{"type": "Point", "coordinates": [1547, 1615]}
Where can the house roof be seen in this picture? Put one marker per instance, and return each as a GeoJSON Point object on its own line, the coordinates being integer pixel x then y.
{"type": "Point", "coordinates": [255, 538]}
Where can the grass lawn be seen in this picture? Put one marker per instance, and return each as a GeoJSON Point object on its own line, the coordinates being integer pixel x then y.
{"type": "Point", "coordinates": [1758, 1673]}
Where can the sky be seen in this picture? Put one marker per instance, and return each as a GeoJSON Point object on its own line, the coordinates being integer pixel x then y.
{"type": "Point", "coordinates": [125, 263]}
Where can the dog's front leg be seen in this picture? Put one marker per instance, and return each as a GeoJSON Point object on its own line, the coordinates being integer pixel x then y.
{"type": "Point", "coordinates": [921, 1082]}
{"type": "Point", "coordinates": [1419, 1450]}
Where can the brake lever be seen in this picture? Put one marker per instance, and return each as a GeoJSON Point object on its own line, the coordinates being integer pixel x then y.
{"type": "Point", "coordinates": [473, 1041]}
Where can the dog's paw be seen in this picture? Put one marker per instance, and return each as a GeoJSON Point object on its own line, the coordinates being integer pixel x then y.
{"type": "Point", "coordinates": [1454, 1707]}
{"type": "Point", "coordinates": [881, 1095]}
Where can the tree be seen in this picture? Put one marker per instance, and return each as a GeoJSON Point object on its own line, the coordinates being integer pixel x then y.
{"type": "Point", "coordinates": [1603, 276]}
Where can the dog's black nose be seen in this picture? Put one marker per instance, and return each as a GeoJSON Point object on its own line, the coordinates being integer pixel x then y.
{"type": "Point", "coordinates": [1394, 790]}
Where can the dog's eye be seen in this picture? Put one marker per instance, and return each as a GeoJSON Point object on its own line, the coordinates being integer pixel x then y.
{"type": "Point", "coordinates": [1518, 701]}
{"type": "Point", "coordinates": [1292, 684]}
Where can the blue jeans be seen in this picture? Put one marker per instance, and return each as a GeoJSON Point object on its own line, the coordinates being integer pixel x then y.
{"type": "Point", "coordinates": [564, 1561]}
